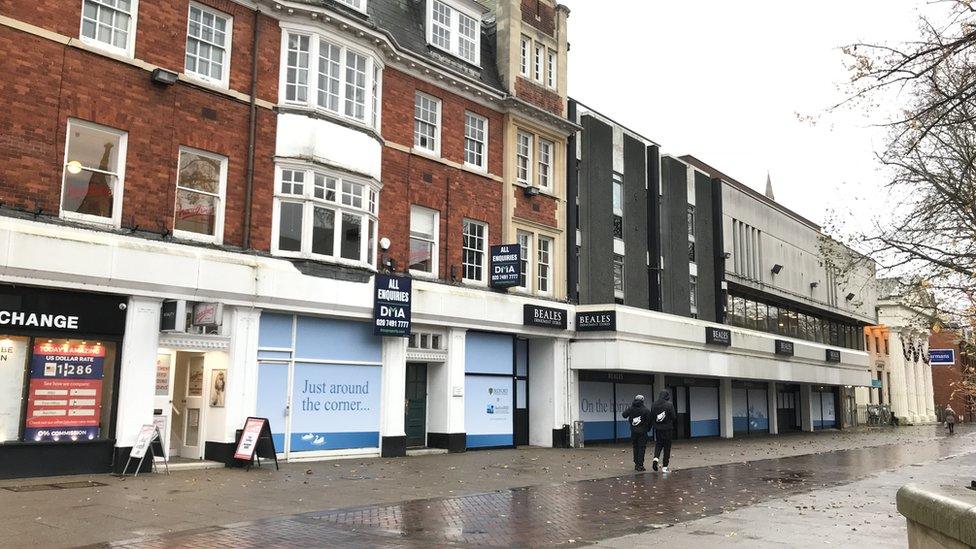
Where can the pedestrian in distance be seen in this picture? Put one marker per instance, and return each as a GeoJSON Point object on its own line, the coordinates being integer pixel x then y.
{"type": "Point", "coordinates": [640, 425]}
{"type": "Point", "coordinates": [950, 420]}
{"type": "Point", "coordinates": [663, 413]}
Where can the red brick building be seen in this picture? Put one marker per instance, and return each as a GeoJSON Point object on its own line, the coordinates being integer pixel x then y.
{"type": "Point", "coordinates": [946, 377]}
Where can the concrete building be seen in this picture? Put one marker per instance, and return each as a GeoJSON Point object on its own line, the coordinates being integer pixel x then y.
{"type": "Point", "coordinates": [690, 281]}
{"type": "Point", "coordinates": [909, 315]}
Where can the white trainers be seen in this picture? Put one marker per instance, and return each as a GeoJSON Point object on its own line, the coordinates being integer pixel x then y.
{"type": "Point", "coordinates": [654, 464]}
{"type": "Point", "coordinates": [665, 470]}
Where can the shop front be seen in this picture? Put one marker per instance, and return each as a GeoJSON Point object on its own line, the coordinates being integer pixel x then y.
{"type": "Point", "coordinates": [319, 385]}
{"type": "Point", "coordinates": [750, 408]}
{"type": "Point", "coordinates": [603, 396]}
{"type": "Point", "coordinates": [823, 407]}
{"type": "Point", "coordinates": [489, 390]}
{"type": "Point", "coordinates": [696, 406]}
{"type": "Point", "coordinates": [59, 380]}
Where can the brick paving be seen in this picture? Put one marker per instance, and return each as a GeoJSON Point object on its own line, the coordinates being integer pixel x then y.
{"type": "Point", "coordinates": [570, 513]}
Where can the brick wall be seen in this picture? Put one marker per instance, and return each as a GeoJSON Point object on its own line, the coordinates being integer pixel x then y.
{"type": "Point", "coordinates": [419, 180]}
{"type": "Point", "coordinates": [538, 95]}
{"type": "Point", "coordinates": [540, 209]}
{"type": "Point", "coordinates": [44, 83]}
{"type": "Point", "coordinates": [944, 376]}
{"type": "Point", "coordinates": [540, 14]}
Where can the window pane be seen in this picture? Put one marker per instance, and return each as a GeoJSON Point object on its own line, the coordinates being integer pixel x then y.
{"type": "Point", "coordinates": [296, 87]}
{"type": "Point", "coordinates": [355, 86]}
{"type": "Point", "coordinates": [90, 172]}
{"type": "Point", "coordinates": [323, 232]}
{"type": "Point", "coordinates": [421, 255]}
{"type": "Point", "coordinates": [195, 212]}
{"type": "Point", "coordinates": [290, 227]}
{"type": "Point", "coordinates": [352, 236]}
{"type": "Point", "coordinates": [618, 274]}
{"type": "Point", "coordinates": [200, 173]}
{"type": "Point", "coordinates": [473, 251]}
{"type": "Point", "coordinates": [441, 29]}
{"type": "Point", "coordinates": [329, 67]}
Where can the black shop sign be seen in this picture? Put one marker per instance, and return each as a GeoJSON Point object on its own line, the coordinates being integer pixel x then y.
{"type": "Point", "coordinates": [784, 348]}
{"type": "Point", "coordinates": [544, 317]}
{"type": "Point", "coordinates": [392, 297]}
{"type": "Point", "coordinates": [596, 321]}
{"type": "Point", "coordinates": [833, 355]}
{"type": "Point", "coordinates": [506, 266]}
{"type": "Point", "coordinates": [34, 309]}
{"type": "Point", "coordinates": [718, 336]}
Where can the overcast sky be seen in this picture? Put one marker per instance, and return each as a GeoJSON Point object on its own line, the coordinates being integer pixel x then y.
{"type": "Point", "coordinates": [725, 80]}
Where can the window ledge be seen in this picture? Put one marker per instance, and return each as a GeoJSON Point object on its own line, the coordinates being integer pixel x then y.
{"type": "Point", "coordinates": [423, 275]}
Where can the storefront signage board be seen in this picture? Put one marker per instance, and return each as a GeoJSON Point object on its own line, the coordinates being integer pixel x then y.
{"type": "Point", "coordinates": [942, 357]}
{"type": "Point", "coordinates": [143, 440]}
{"type": "Point", "coordinates": [392, 297]}
{"type": "Point", "coordinates": [544, 317]}
{"type": "Point", "coordinates": [61, 312]}
{"type": "Point", "coordinates": [833, 355]}
{"type": "Point", "coordinates": [596, 321]}
{"type": "Point", "coordinates": [718, 336]}
{"type": "Point", "coordinates": [65, 392]}
{"type": "Point", "coordinates": [784, 348]}
{"type": "Point", "coordinates": [256, 441]}
{"type": "Point", "coordinates": [506, 266]}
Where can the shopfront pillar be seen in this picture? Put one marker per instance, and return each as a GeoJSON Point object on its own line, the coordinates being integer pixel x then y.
{"type": "Point", "coordinates": [393, 397]}
{"type": "Point", "coordinates": [911, 381]}
{"type": "Point", "coordinates": [725, 418]}
{"type": "Point", "coordinates": [659, 385]}
{"type": "Point", "coordinates": [772, 394]}
{"type": "Point", "coordinates": [920, 415]}
{"type": "Point", "coordinates": [929, 393]}
{"type": "Point", "coordinates": [242, 372]}
{"type": "Point", "coordinates": [806, 418]}
{"type": "Point", "coordinates": [547, 389]}
{"type": "Point", "coordinates": [446, 396]}
{"type": "Point", "coordinates": [137, 381]}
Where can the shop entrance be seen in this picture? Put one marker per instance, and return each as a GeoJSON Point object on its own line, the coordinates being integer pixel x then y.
{"type": "Point", "coordinates": [187, 408]}
{"type": "Point", "coordinates": [787, 409]}
{"type": "Point", "coordinates": [415, 414]}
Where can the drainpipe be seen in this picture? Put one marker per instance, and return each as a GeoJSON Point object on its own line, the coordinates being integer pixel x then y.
{"type": "Point", "coordinates": [252, 124]}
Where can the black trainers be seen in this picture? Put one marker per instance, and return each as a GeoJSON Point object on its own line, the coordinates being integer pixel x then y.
{"type": "Point", "coordinates": [654, 464]}
{"type": "Point", "coordinates": [640, 468]}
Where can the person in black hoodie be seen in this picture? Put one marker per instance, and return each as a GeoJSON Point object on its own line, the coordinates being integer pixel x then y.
{"type": "Point", "coordinates": [640, 425]}
{"type": "Point", "coordinates": [662, 412]}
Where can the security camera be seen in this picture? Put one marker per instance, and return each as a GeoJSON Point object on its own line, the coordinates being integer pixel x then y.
{"type": "Point", "coordinates": [385, 244]}
{"type": "Point", "coordinates": [122, 306]}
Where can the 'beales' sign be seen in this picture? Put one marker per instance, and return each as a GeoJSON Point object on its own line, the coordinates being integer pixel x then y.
{"type": "Point", "coordinates": [718, 336]}
{"type": "Point", "coordinates": [596, 321]}
{"type": "Point", "coordinates": [833, 355]}
{"type": "Point", "coordinates": [544, 317]}
{"type": "Point", "coordinates": [784, 347]}
{"type": "Point", "coordinates": [506, 266]}
{"type": "Point", "coordinates": [391, 306]}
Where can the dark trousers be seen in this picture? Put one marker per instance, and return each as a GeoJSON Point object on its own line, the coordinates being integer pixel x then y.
{"type": "Point", "coordinates": [952, 428]}
{"type": "Point", "coordinates": [639, 440]}
{"type": "Point", "coordinates": [662, 441]}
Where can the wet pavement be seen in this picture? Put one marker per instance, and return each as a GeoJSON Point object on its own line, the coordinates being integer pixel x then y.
{"type": "Point", "coordinates": [570, 513]}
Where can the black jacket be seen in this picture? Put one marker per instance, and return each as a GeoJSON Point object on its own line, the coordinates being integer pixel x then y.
{"type": "Point", "coordinates": [639, 416]}
{"type": "Point", "coordinates": [662, 412]}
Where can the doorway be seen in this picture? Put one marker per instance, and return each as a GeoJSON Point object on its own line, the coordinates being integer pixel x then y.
{"type": "Point", "coordinates": [186, 420]}
{"type": "Point", "coordinates": [415, 414]}
{"type": "Point", "coordinates": [682, 422]}
{"type": "Point", "coordinates": [787, 417]}
{"type": "Point", "coordinates": [521, 418]}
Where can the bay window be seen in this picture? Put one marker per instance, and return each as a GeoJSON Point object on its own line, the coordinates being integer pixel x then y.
{"type": "Point", "coordinates": [94, 171]}
{"type": "Point", "coordinates": [109, 24]}
{"type": "Point", "coordinates": [201, 184]}
{"type": "Point", "coordinates": [320, 215]}
{"type": "Point", "coordinates": [424, 237]}
{"type": "Point", "coordinates": [345, 81]}
{"type": "Point", "coordinates": [454, 30]}
{"type": "Point", "coordinates": [474, 251]}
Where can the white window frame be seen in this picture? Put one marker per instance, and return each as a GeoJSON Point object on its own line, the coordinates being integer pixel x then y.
{"type": "Point", "coordinates": [526, 241]}
{"type": "Point", "coordinates": [218, 236]}
{"type": "Point", "coordinates": [224, 81]}
{"type": "Point", "coordinates": [525, 56]}
{"type": "Point", "coordinates": [454, 31]}
{"type": "Point", "coordinates": [552, 65]}
{"type": "Point", "coordinates": [617, 182]}
{"type": "Point", "coordinates": [547, 151]}
{"type": "Point", "coordinates": [435, 254]}
{"type": "Point", "coordinates": [549, 279]}
{"type": "Point", "coordinates": [619, 293]}
{"type": "Point", "coordinates": [367, 245]}
{"type": "Point", "coordinates": [373, 85]}
{"type": "Point", "coordinates": [530, 154]}
{"type": "Point", "coordinates": [469, 116]}
{"type": "Point", "coordinates": [130, 46]}
{"type": "Point", "coordinates": [437, 124]}
{"type": "Point", "coordinates": [693, 293]}
{"type": "Point", "coordinates": [118, 192]}
{"type": "Point", "coordinates": [358, 5]}
{"type": "Point", "coordinates": [539, 63]}
{"type": "Point", "coordinates": [483, 281]}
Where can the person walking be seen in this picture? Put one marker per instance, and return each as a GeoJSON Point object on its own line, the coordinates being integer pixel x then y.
{"type": "Point", "coordinates": [662, 412]}
{"type": "Point", "coordinates": [950, 419]}
{"type": "Point", "coordinates": [640, 424]}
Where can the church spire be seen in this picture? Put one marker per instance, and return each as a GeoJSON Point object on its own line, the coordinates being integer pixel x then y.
{"type": "Point", "coordinates": [769, 187]}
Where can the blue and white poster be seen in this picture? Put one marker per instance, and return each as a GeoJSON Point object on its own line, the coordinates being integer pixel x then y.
{"type": "Point", "coordinates": [596, 409]}
{"type": "Point", "coordinates": [942, 357]}
{"type": "Point", "coordinates": [488, 411]}
{"type": "Point", "coordinates": [335, 407]}
{"type": "Point", "coordinates": [703, 402]}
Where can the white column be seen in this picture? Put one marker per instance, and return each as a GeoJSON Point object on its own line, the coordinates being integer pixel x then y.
{"type": "Point", "coordinates": [806, 419]}
{"type": "Point", "coordinates": [455, 361]}
{"type": "Point", "coordinates": [241, 400]}
{"type": "Point", "coordinates": [772, 394]}
{"type": "Point", "coordinates": [899, 382]}
{"type": "Point", "coordinates": [920, 392]}
{"type": "Point", "coordinates": [929, 393]}
{"type": "Point", "coordinates": [547, 389]}
{"type": "Point", "coordinates": [910, 381]}
{"type": "Point", "coordinates": [137, 378]}
{"type": "Point", "coordinates": [393, 392]}
{"type": "Point", "coordinates": [725, 407]}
